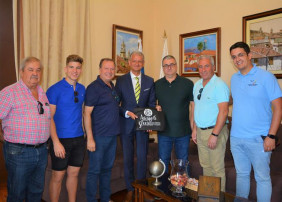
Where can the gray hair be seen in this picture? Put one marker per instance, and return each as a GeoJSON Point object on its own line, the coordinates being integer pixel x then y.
{"type": "Point", "coordinates": [27, 60]}
{"type": "Point", "coordinates": [137, 53]}
{"type": "Point", "coordinates": [167, 57]}
{"type": "Point", "coordinates": [205, 57]}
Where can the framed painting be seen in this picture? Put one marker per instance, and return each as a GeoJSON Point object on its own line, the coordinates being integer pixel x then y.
{"type": "Point", "coordinates": [263, 33]}
{"type": "Point", "coordinates": [125, 41]}
{"type": "Point", "coordinates": [194, 44]}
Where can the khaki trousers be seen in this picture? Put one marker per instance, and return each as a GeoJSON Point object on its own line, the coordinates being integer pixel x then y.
{"type": "Point", "coordinates": [212, 161]}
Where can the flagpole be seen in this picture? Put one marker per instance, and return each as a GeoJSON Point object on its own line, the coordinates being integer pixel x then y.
{"type": "Point", "coordinates": [140, 48]}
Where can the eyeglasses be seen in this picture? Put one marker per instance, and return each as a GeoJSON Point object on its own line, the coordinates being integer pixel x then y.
{"type": "Point", "coordinates": [170, 65]}
{"type": "Point", "coordinates": [200, 93]}
{"type": "Point", "coordinates": [40, 107]}
{"type": "Point", "coordinates": [75, 97]}
{"type": "Point", "coordinates": [115, 96]}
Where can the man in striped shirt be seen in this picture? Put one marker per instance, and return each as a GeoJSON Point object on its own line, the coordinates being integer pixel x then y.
{"type": "Point", "coordinates": [25, 116]}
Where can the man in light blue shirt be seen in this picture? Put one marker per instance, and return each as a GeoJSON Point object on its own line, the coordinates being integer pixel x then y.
{"type": "Point", "coordinates": [254, 125]}
{"type": "Point", "coordinates": [211, 97]}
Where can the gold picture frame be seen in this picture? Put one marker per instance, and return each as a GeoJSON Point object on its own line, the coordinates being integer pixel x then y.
{"type": "Point", "coordinates": [205, 42]}
{"type": "Point", "coordinates": [263, 33]}
{"type": "Point", "coordinates": [125, 40]}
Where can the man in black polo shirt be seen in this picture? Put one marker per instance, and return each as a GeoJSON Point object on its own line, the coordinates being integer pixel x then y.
{"type": "Point", "coordinates": [101, 120]}
{"type": "Point", "coordinates": [174, 95]}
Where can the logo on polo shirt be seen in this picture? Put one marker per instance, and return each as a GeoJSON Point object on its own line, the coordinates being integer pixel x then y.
{"type": "Point", "coordinates": [253, 83]}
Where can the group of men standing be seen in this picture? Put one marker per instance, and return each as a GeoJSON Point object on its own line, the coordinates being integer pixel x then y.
{"type": "Point", "coordinates": [29, 116]}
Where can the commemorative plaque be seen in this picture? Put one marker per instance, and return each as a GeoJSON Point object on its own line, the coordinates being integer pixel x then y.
{"type": "Point", "coordinates": [149, 119]}
{"type": "Point", "coordinates": [209, 187]}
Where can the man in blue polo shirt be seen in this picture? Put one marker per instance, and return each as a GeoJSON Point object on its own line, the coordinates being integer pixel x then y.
{"type": "Point", "coordinates": [254, 125]}
{"type": "Point", "coordinates": [101, 120]}
{"type": "Point", "coordinates": [67, 146]}
{"type": "Point", "coordinates": [211, 97]}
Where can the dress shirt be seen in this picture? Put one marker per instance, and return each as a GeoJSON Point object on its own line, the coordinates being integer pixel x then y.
{"type": "Point", "coordinates": [21, 120]}
{"type": "Point", "coordinates": [134, 81]}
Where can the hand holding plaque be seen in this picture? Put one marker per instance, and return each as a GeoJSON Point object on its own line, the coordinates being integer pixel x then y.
{"type": "Point", "coordinates": [149, 119]}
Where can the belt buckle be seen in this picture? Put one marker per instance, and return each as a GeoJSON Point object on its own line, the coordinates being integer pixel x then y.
{"type": "Point", "coordinates": [37, 145]}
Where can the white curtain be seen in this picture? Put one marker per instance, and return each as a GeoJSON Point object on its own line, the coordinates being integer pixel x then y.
{"type": "Point", "coordinates": [53, 29]}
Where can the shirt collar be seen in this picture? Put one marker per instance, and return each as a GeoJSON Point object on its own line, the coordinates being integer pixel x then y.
{"type": "Point", "coordinates": [251, 72]}
{"type": "Point", "coordinates": [176, 78]}
{"type": "Point", "coordinates": [39, 89]}
{"type": "Point", "coordinates": [25, 86]}
{"type": "Point", "coordinates": [66, 83]}
{"type": "Point", "coordinates": [133, 76]}
{"type": "Point", "coordinates": [103, 83]}
{"type": "Point", "coordinates": [210, 81]}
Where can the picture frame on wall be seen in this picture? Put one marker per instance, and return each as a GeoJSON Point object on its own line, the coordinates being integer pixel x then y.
{"type": "Point", "coordinates": [194, 44]}
{"type": "Point", "coordinates": [263, 33]}
{"type": "Point", "coordinates": [125, 41]}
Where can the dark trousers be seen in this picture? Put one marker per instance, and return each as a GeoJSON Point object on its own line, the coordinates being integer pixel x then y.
{"type": "Point", "coordinates": [127, 141]}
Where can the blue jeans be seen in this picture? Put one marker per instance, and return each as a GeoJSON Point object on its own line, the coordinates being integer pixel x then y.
{"type": "Point", "coordinates": [181, 147]}
{"type": "Point", "coordinates": [247, 153]}
{"type": "Point", "coordinates": [100, 168]}
{"type": "Point", "coordinates": [26, 172]}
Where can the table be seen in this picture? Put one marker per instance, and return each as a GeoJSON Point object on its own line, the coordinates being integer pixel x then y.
{"type": "Point", "coordinates": [163, 192]}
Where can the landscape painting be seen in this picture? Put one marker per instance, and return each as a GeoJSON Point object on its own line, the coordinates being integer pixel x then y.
{"type": "Point", "coordinates": [263, 33]}
{"type": "Point", "coordinates": [125, 41]}
{"type": "Point", "coordinates": [192, 45]}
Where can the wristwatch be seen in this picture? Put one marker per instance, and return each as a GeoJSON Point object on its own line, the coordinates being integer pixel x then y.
{"type": "Point", "coordinates": [271, 136]}
{"type": "Point", "coordinates": [214, 134]}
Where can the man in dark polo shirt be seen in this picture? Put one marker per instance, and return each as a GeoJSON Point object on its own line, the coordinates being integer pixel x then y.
{"type": "Point", "coordinates": [174, 95]}
{"type": "Point", "coordinates": [101, 120]}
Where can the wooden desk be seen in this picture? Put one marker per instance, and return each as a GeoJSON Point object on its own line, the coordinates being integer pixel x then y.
{"type": "Point", "coordinates": [163, 192]}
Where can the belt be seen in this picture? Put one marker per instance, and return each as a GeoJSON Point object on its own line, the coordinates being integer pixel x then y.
{"type": "Point", "coordinates": [29, 145]}
{"type": "Point", "coordinates": [210, 127]}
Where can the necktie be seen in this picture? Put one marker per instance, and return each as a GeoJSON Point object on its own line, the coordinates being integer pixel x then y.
{"type": "Point", "coordinates": [137, 89]}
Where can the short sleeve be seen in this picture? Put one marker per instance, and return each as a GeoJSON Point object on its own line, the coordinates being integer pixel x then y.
{"type": "Point", "coordinates": [52, 95]}
{"type": "Point", "coordinates": [272, 87]}
{"type": "Point", "coordinates": [222, 92]}
{"type": "Point", "coordinates": [91, 96]}
{"type": "Point", "coordinates": [190, 87]}
{"type": "Point", "coordinates": [6, 100]}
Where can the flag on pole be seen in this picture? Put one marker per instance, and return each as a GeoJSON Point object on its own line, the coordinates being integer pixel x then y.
{"type": "Point", "coordinates": [165, 53]}
{"type": "Point", "coordinates": [140, 49]}
{"type": "Point", "coordinates": [140, 45]}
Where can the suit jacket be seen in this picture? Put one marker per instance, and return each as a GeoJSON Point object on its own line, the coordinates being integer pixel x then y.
{"type": "Point", "coordinates": [125, 91]}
